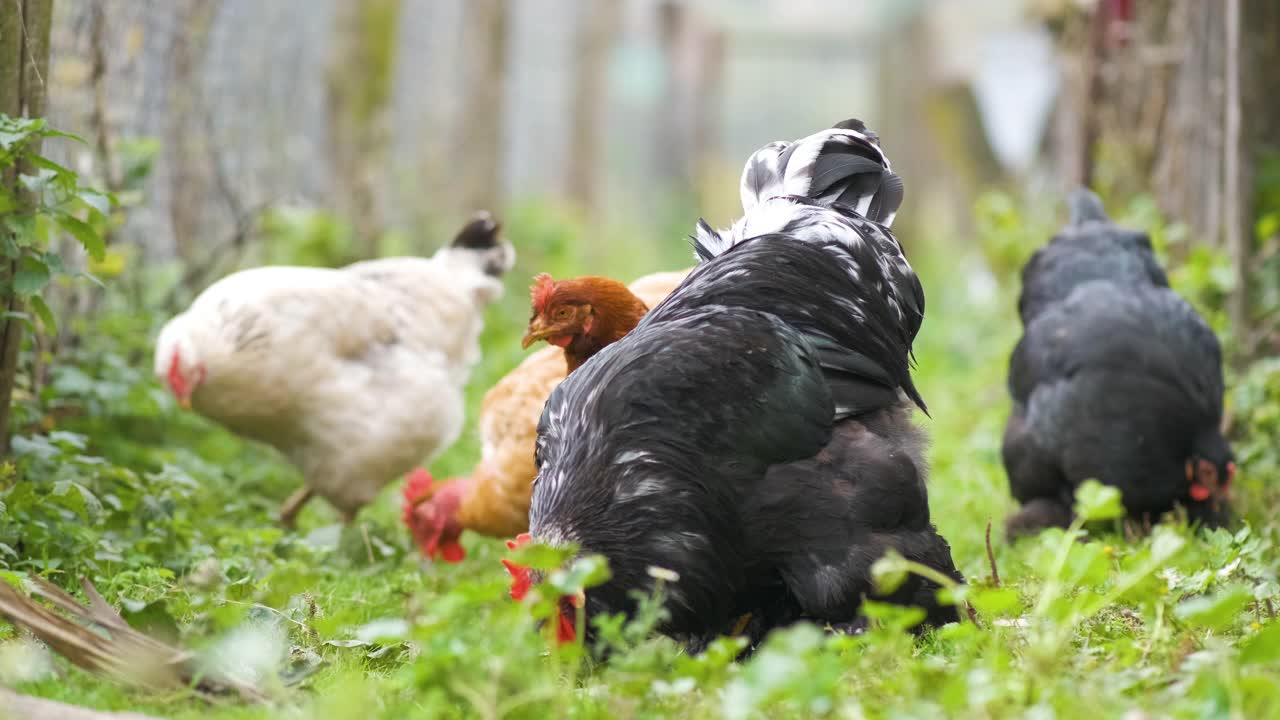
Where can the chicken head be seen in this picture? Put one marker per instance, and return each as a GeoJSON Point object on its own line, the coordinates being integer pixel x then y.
{"type": "Point", "coordinates": [522, 582]}
{"type": "Point", "coordinates": [431, 513]}
{"type": "Point", "coordinates": [581, 315]}
{"type": "Point", "coordinates": [179, 364]}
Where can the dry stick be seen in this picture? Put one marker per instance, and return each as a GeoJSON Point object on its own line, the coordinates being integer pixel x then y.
{"type": "Point", "coordinates": [991, 558]}
{"type": "Point", "coordinates": [33, 708]}
{"type": "Point", "coordinates": [1271, 610]}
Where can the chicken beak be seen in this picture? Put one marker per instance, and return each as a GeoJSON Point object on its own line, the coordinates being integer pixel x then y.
{"type": "Point", "coordinates": [184, 402]}
{"type": "Point", "coordinates": [537, 331]}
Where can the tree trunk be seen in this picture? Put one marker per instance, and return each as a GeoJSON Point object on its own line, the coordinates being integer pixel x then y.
{"type": "Point", "coordinates": [24, 68]}
{"type": "Point", "coordinates": [1184, 98]}
{"type": "Point", "coordinates": [187, 129]}
{"type": "Point", "coordinates": [1235, 231]}
{"type": "Point", "coordinates": [694, 60]}
{"type": "Point", "coordinates": [360, 81]}
{"type": "Point", "coordinates": [477, 158]}
{"type": "Point", "coordinates": [594, 39]}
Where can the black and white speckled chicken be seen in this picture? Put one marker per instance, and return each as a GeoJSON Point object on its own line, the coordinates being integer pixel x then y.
{"type": "Point", "coordinates": [753, 434]}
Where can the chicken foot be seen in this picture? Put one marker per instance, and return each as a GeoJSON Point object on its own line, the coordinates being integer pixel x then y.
{"type": "Point", "coordinates": [1037, 514]}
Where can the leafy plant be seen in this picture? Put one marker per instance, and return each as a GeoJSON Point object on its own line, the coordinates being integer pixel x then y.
{"type": "Point", "coordinates": [51, 198]}
{"type": "Point", "coordinates": [172, 518]}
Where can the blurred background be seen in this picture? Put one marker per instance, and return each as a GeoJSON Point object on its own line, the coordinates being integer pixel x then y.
{"type": "Point", "coordinates": [234, 122]}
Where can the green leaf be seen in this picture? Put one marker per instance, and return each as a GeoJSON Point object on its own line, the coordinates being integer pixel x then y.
{"type": "Point", "coordinates": [39, 182]}
{"type": "Point", "coordinates": [541, 557]}
{"type": "Point", "coordinates": [894, 617]}
{"type": "Point", "coordinates": [1263, 647]}
{"type": "Point", "coordinates": [14, 131]}
{"type": "Point", "coordinates": [51, 133]}
{"type": "Point", "coordinates": [999, 601]}
{"type": "Point", "coordinates": [92, 241]}
{"type": "Point", "coordinates": [45, 163]}
{"type": "Point", "coordinates": [1215, 611]}
{"type": "Point", "coordinates": [889, 572]}
{"type": "Point", "coordinates": [585, 572]}
{"type": "Point", "coordinates": [23, 227]}
{"type": "Point", "coordinates": [151, 619]}
{"type": "Point", "coordinates": [44, 313]}
{"type": "Point", "coordinates": [96, 200]}
{"type": "Point", "coordinates": [32, 276]}
{"type": "Point", "coordinates": [1095, 501]}
{"type": "Point", "coordinates": [76, 498]}
{"type": "Point", "coordinates": [1165, 542]}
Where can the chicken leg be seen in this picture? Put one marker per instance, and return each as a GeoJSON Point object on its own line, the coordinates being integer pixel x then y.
{"type": "Point", "coordinates": [293, 505]}
{"type": "Point", "coordinates": [1036, 515]}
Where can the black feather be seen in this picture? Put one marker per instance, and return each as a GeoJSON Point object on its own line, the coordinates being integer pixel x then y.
{"type": "Point", "coordinates": [1084, 206]}
{"type": "Point", "coordinates": [1116, 378]}
{"type": "Point", "coordinates": [480, 233]}
{"type": "Point", "coordinates": [751, 433]}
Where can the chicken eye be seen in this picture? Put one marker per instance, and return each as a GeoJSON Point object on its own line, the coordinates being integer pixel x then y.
{"type": "Point", "coordinates": [562, 313]}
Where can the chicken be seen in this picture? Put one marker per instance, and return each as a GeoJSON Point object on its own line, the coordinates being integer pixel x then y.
{"type": "Point", "coordinates": [355, 375]}
{"type": "Point", "coordinates": [1090, 248]}
{"type": "Point", "coordinates": [494, 500]}
{"type": "Point", "coordinates": [1116, 378]}
{"type": "Point", "coordinates": [753, 434]}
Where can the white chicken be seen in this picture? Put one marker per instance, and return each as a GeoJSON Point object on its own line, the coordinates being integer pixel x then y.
{"type": "Point", "coordinates": [356, 374]}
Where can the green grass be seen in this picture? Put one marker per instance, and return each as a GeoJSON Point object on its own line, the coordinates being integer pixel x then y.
{"type": "Point", "coordinates": [1174, 624]}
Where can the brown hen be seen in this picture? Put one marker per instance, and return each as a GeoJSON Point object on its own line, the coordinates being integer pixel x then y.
{"type": "Point", "coordinates": [580, 316]}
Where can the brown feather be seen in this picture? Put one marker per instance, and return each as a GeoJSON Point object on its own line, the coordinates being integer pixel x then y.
{"type": "Point", "coordinates": [96, 638]}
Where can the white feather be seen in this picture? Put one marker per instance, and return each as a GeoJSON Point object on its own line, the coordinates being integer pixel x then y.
{"type": "Point", "coordinates": [354, 374]}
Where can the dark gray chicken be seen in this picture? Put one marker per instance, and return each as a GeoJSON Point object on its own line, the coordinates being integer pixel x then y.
{"type": "Point", "coordinates": [1116, 378]}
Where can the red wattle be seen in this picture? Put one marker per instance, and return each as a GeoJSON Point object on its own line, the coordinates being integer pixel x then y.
{"type": "Point", "coordinates": [565, 631]}
{"type": "Point", "coordinates": [453, 552]}
{"type": "Point", "coordinates": [521, 580]}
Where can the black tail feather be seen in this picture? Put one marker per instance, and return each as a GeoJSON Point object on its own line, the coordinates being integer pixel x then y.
{"type": "Point", "coordinates": [480, 233]}
{"type": "Point", "coordinates": [1084, 206]}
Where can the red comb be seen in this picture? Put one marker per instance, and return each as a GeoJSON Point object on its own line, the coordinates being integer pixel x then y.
{"type": "Point", "coordinates": [418, 488]}
{"type": "Point", "coordinates": [543, 288]}
{"type": "Point", "coordinates": [521, 580]}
